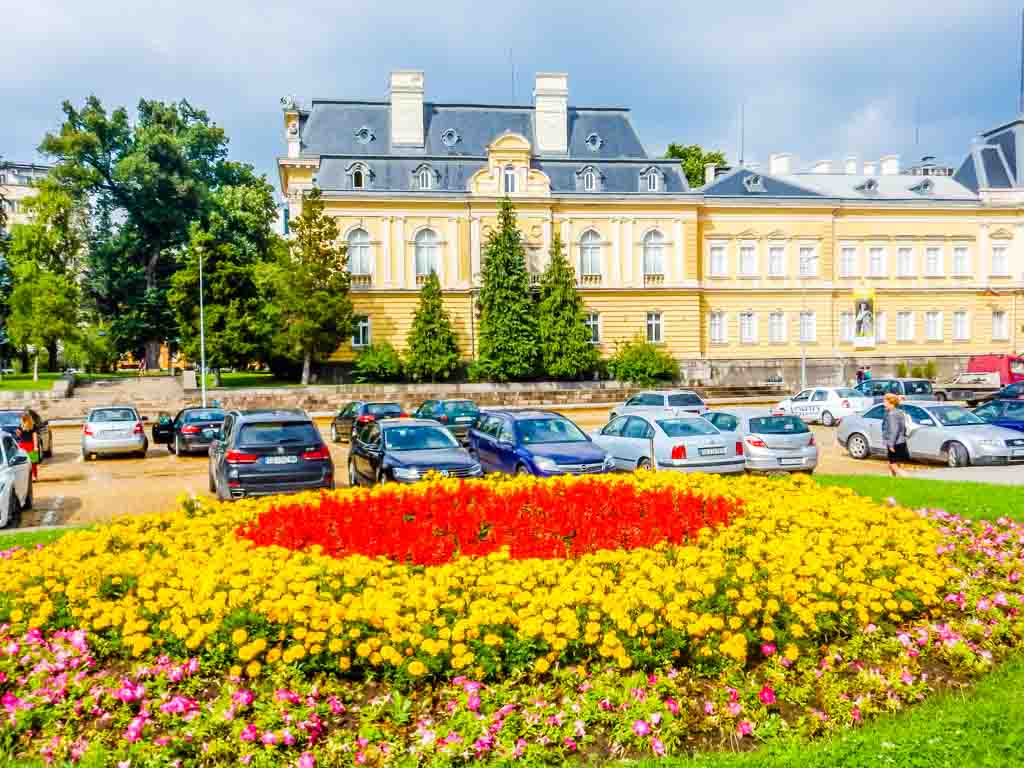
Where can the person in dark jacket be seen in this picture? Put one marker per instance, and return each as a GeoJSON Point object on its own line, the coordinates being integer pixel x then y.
{"type": "Point", "coordinates": [894, 433]}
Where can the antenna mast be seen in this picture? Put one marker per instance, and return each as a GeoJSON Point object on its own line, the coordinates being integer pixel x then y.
{"type": "Point", "coordinates": [1020, 95]}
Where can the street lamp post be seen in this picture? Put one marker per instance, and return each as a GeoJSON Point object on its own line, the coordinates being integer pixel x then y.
{"type": "Point", "coordinates": [202, 331]}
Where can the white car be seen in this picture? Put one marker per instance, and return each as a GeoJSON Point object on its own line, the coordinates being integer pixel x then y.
{"type": "Point", "coordinates": [15, 481]}
{"type": "Point", "coordinates": [676, 402]}
{"type": "Point", "coordinates": [826, 405]}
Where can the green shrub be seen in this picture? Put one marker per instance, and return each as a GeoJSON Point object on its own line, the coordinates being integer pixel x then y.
{"type": "Point", "coordinates": [930, 370]}
{"type": "Point", "coordinates": [642, 363]}
{"type": "Point", "coordinates": [378, 362]}
{"type": "Point", "coordinates": [902, 371]}
{"type": "Point", "coordinates": [917, 372]}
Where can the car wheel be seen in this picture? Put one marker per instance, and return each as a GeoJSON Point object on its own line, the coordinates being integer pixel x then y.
{"type": "Point", "coordinates": [213, 483]}
{"type": "Point", "coordinates": [827, 419]}
{"type": "Point", "coordinates": [522, 470]}
{"type": "Point", "coordinates": [957, 456]}
{"type": "Point", "coordinates": [48, 453]}
{"type": "Point", "coordinates": [353, 481]}
{"type": "Point", "coordinates": [643, 463]}
{"type": "Point", "coordinates": [29, 495]}
{"type": "Point", "coordinates": [13, 512]}
{"type": "Point", "coordinates": [177, 446]}
{"type": "Point", "coordinates": [334, 433]}
{"type": "Point", "coordinates": [857, 446]}
{"type": "Point", "coordinates": [382, 477]}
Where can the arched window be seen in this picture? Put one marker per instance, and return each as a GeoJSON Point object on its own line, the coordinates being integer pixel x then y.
{"type": "Point", "coordinates": [654, 246]}
{"type": "Point", "coordinates": [358, 252]}
{"type": "Point", "coordinates": [652, 182]}
{"type": "Point", "coordinates": [426, 253]}
{"type": "Point", "coordinates": [590, 253]}
{"type": "Point", "coordinates": [425, 178]}
{"type": "Point", "coordinates": [510, 180]}
{"type": "Point", "coordinates": [357, 179]}
{"type": "Point", "coordinates": [589, 180]}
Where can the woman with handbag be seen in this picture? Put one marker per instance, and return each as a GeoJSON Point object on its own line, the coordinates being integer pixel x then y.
{"type": "Point", "coordinates": [894, 433]}
{"type": "Point", "coordinates": [27, 437]}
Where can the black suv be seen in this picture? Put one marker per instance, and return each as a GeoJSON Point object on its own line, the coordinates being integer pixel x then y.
{"type": "Point", "coordinates": [258, 453]}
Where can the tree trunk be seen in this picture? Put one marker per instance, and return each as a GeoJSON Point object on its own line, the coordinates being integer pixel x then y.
{"type": "Point", "coordinates": [51, 357]}
{"type": "Point", "coordinates": [153, 355]}
{"type": "Point", "coordinates": [216, 377]}
{"type": "Point", "coordinates": [23, 355]}
{"type": "Point", "coordinates": [35, 368]}
{"type": "Point", "coordinates": [152, 345]}
{"type": "Point", "coordinates": [307, 360]}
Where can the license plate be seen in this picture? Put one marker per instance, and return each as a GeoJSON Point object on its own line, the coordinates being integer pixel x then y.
{"type": "Point", "coordinates": [790, 462]}
{"type": "Point", "coordinates": [712, 451]}
{"type": "Point", "coordinates": [282, 459]}
{"type": "Point", "coordinates": [117, 433]}
{"type": "Point", "coordinates": [463, 419]}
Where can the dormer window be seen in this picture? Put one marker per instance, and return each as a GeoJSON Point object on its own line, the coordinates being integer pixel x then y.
{"type": "Point", "coordinates": [652, 179]}
{"type": "Point", "coordinates": [450, 137]}
{"type": "Point", "coordinates": [589, 180]}
{"type": "Point", "coordinates": [359, 175]}
{"type": "Point", "coordinates": [868, 186]}
{"type": "Point", "coordinates": [358, 180]}
{"type": "Point", "coordinates": [364, 135]}
{"type": "Point", "coordinates": [925, 187]}
{"type": "Point", "coordinates": [509, 176]}
{"type": "Point", "coordinates": [594, 142]}
{"type": "Point", "coordinates": [424, 177]}
{"type": "Point", "coordinates": [652, 182]}
{"type": "Point", "coordinates": [753, 183]}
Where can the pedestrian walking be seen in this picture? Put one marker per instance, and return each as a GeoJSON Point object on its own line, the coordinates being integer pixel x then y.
{"type": "Point", "coordinates": [142, 366]}
{"type": "Point", "coordinates": [27, 437]}
{"type": "Point", "coordinates": [860, 375]}
{"type": "Point", "coordinates": [894, 433]}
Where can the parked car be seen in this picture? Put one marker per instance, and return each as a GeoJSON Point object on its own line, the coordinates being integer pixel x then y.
{"type": "Point", "coordinates": [827, 405]}
{"type": "Point", "coordinates": [909, 389]}
{"type": "Point", "coordinates": [1009, 392]}
{"type": "Point", "coordinates": [404, 450]}
{"type": "Point", "coordinates": [190, 431]}
{"type": "Point", "coordinates": [682, 443]}
{"type": "Point", "coordinates": [534, 443]}
{"type": "Point", "coordinates": [1008, 414]}
{"type": "Point", "coordinates": [771, 442]}
{"type": "Point", "coordinates": [457, 415]}
{"type": "Point", "coordinates": [936, 432]}
{"type": "Point", "coordinates": [10, 421]}
{"type": "Point", "coordinates": [972, 388]}
{"type": "Point", "coordinates": [114, 430]}
{"type": "Point", "coordinates": [351, 415]}
{"type": "Point", "coordinates": [263, 452]}
{"type": "Point", "coordinates": [15, 482]}
{"type": "Point", "coordinates": [675, 401]}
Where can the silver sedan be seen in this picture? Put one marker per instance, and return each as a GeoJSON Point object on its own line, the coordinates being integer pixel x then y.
{"type": "Point", "coordinates": [114, 430]}
{"type": "Point", "coordinates": [680, 443]}
{"type": "Point", "coordinates": [936, 432]}
{"type": "Point", "coordinates": [772, 442]}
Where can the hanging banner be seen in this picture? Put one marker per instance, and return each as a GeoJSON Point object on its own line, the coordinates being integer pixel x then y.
{"type": "Point", "coordinates": [864, 317]}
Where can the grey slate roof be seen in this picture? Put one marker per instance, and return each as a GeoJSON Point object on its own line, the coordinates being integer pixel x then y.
{"type": "Point", "coordinates": [995, 161]}
{"type": "Point", "coordinates": [837, 186]}
{"type": "Point", "coordinates": [735, 185]}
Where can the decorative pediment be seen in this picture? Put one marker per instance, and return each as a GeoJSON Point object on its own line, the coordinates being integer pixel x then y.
{"type": "Point", "coordinates": [747, 234]}
{"type": "Point", "coordinates": [1001, 234]}
{"type": "Point", "coordinates": [777, 234]}
{"type": "Point", "coordinates": [510, 142]}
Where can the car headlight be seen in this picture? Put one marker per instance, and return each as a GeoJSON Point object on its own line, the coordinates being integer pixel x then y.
{"type": "Point", "coordinates": [545, 464]}
{"type": "Point", "coordinates": [988, 443]}
{"type": "Point", "coordinates": [406, 473]}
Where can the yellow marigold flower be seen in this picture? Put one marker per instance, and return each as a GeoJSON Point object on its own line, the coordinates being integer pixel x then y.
{"type": "Point", "coordinates": [253, 669]}
{"type": "Point", "coordinates": [239, 636]}
{"type": "Point", "coordinates": [416, 668]}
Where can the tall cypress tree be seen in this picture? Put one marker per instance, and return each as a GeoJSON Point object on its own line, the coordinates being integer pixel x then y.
{"type": "Point", "coordinates": [433, 351]}
{"type": "Point", "coordinates": [508, 320]}
{"type": "Point", "coordinates": [565, 348]}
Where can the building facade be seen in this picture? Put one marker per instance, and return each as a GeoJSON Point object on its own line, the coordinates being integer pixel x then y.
{"type": "Point", "coordinates": [16, 180]}
{"type": "Point", "coordinates": [738, 280]}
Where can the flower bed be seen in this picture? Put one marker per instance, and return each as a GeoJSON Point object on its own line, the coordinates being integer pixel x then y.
{"type": "Point", "coordinates": [620, 615]}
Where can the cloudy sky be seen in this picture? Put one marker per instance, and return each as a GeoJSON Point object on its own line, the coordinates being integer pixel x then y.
{"type": "Point", "coordinates": [818, 79]}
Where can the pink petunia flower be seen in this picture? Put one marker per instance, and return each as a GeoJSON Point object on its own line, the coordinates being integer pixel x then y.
{"type": "Point", "coordinates": [767, 696]}
{"type": "Point", "coordinates": [641, 728]}
{"type": "Point", "coordinates": [744, 728]}
{"type": "Point", "coordinates": [709, 708]}
{"type": "Point", "coordinates": [306, 760]}
{"type": "Point", "coordinates": [269, 739]}
{"type": "Point", "coordinates": [768, 649]}
{"type": "Point", "coordinates": [672, 706]}
{"type": "Point", "coordinates": [249, 733]}
{"type": "Point", "coordinates": [657, 746]}
{"type": "Point", "coordinates": [734, 708]}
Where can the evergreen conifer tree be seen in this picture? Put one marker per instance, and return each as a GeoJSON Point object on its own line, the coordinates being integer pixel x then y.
{"type": "Point", "coordinates": [565, 348]}
{"type": "Point", "coordinates": [508, 320]}
{"type": "Point", "coordinates": [433, 351]}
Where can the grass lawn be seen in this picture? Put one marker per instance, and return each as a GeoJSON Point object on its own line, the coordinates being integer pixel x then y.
{"type": "Point", "coordinates": [248, 379]}
{"type": "Point", "coordinates": [22, 382]}
{"type": "Point", "coordinates": [982, 729]}
{"type": "Point", "coordinates": [981, 501]}
{"type": "Point", "coordinates": [28, 539]}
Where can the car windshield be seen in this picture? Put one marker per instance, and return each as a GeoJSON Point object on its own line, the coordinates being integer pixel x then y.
{"type": "Point", "coordinates": [683, 400]}
{"type": "Point", "coordinates": [113, 414]}
{"type": "Point", "coordinates": [384, 410]}
{"type": "Point", "coordinates": [418, 438]}
{"type": "Point", "coordinates": [686, 427]}
{"type": "Point", "coordinates": [778, 425]}
{"type": "Point", "coordinates": [277, 433]}
{"type": "Point", "coordinates": [10, 418]}
{"type": "Point", "coordinates": [848, 393]}
{"type": "Point", "coordinates": [954, 416]}
{"type": "Point", "coordinates": [536, 431]}
{"type": "Point", "coordinates": [456, 408]}
{"type": "Point", "coordinates": [204, 416]}
{"type": "Point", "coordinates": [917, 387]}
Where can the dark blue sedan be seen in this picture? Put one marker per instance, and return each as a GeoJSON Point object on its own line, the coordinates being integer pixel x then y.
{"type": "Point", "coordinates": [1002, 413]}
{"type": "Point", "coordinates": [535, 443]}
{"type": "Point", "coordinates": [404, 450]}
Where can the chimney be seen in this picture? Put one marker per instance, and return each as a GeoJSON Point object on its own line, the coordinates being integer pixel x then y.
{"type": "Point", "coordinates": [779, 164]}
{"type": "Point", "coordinates": [890, 165]}
{"type": "Point", "coordinates": [870, 167]}
{"type": "Point", "coordinates": [822, 166]}
{"type": "Point", "coordinates": [551, 112]}
{"type": "Point", "coordinates": [406, 94]}
{"type": "Point", "coordinates": [851, 165]}
{"type": "Point", "coordinates": [709, 172]}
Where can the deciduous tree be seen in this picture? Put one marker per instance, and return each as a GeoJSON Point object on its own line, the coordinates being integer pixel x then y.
{"type": "Point", "coordinates": [433, 350]}
{"type": "Point", "coordinates": [44, 309]}
{"type": "Point", "coordinates": [565, 348]}
{"type": "Point", "coordinates": [693, 159]}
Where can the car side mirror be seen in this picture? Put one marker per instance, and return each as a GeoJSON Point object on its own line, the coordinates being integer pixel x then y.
{"type": "Point", "coordinates": [144, 418]}
{"type": "Point", "coordinates": [17, 460]}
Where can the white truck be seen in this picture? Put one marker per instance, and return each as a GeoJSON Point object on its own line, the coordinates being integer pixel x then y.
{"type": "Point", "coordinates": [968, 387]}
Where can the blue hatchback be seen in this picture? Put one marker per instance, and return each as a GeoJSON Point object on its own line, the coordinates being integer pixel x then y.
{"type": "Point", "coordinates": [535, 443]}
{"type": "Point", "coordinates": [1003, 413]}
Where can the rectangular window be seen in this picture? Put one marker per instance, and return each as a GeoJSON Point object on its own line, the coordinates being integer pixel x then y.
{"type": "Point", "coordinates": [652, 182]}
{"type": "Point", "coordinates": [961, 261]}
{"type": "Point", "coordinates": [904, 326]}
{"type": "Point", "coordinates": [717, 326]}
{"type": "Point", "coordinates": [748, 260]}
{"type": "Point", "coordinates": [961, 326]}
{"type": "Point", "coordinates": [361, 334]}
{"type": "Point", "coordinates": [718, 265]}
{"type": "Point", "coordinates": [933, 261]}
{"type": "Point", "coordinates": [593, 323]}
{"type": "Point", "coordinates": [808, 327]}
{"type": "Point", "coordinates": [808, 262]}
{"type": "Point", "coordinates": [1000, 326]}
{"type": "Point", "coordinates": [876, 261]}
{"type": "Point", "coordinates": [1000, 261]}
{"type": "Point", "coordinates": [776, 261]}
{"type": "Point", "coordinates": [848, 261]}
{"type": "Point", "coordinates": [846, 327]}
{"type": "Point", "coordinates": [777, 327]}
{"type": "Point", "coordinates": [933, 326]}
{"type": "Point", "coordinates": [654, 327]}
{"type": "Point", "coordinates": [881, 329]}
{"type": "Point", "coordinates": [748, 327]}
{"type": "Point", "coordinates": [905, 262]}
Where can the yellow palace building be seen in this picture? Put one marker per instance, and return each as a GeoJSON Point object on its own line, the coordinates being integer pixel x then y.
{"type": "Point", "coordinates": [846, 264]}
